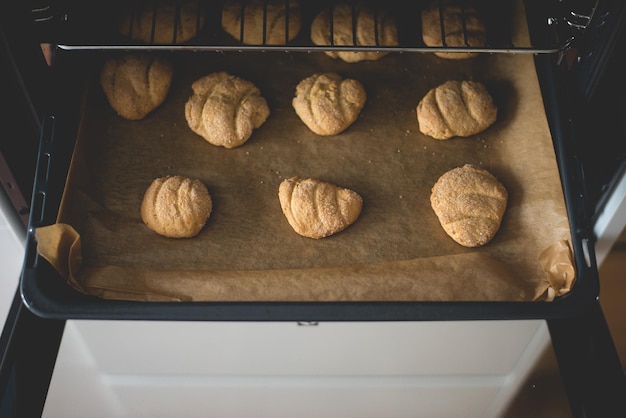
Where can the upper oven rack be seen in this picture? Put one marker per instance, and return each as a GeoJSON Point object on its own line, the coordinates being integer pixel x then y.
{"type": "Point", "coordinates": [76, 25]}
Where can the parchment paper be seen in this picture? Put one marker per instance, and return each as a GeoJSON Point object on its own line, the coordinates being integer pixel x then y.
{"type": "Point", "coordinates": [247, 251]}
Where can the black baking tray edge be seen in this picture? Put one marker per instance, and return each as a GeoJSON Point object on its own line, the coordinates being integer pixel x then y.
{"type": "Point", "coordinates": [47, 294]}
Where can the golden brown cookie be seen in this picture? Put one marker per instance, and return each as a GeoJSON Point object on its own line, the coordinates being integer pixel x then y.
{"type": "Point", "coordinates": [265, 22]}
{"type": "Point", "coordinates": [456, 108]}
{"type": "Point", "coordinates": [366, 33]}
{"type": "Point", "coordinates": [161, 21]}
{"type": "Point", "coordinates": [463, 26]}
{"type": "Point", "coordinates": [470, 204]}
{"type": "Point", "coordinates": [328, 104]}
{"type": "Point", "coordinates": [317, 209]}
{"type": "Point", "coordinates": [136, 84]}
{"type": "Point", "coordinates": [225, 109]}
{"type": "Point", "coordinates": [176, 206]}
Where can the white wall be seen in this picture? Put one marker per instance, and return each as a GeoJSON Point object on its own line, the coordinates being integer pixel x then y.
{"type": "Point", "coordinates": [11, 254]}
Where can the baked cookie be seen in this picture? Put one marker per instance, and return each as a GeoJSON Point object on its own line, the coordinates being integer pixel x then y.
{"type": "Point", "coordinates": [373, 28]}
{"type": "Point", "coordinates": [265, 22]}
{"type": "Point", "coordinates": [136, 84]}
{"type": "Point", "coordinates": [328, 104]}
{"type": "Point", "coordinates": [176, 206]}
{"type": "Point", "coordinates": [456, 108]}
{"type": "Point", "coordinates": [161, 21]}
{"type": "Point", "coordinates": [463, 26]}
{"type": "Point", "coordinates": [470, 204]}
{"type": "Point", "coordinates": [225, 109]}
{"type": "Point", "coordinates": [317, 209]}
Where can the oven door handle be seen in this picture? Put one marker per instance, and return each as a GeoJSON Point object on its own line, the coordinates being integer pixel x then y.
{"type": "Point", "coordinates": [42, 174]}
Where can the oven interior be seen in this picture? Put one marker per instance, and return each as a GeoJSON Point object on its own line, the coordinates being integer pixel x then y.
{"type": "Point", "coordinates": [78, 31]}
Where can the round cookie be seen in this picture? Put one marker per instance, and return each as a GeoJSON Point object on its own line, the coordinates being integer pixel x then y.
{"type": "Point", "coordinates": [463, 26]}
{"type": "Point", "coordinates": [265, 22]}
{"type": "Point", "coordinates": [470, 203]}
{"type": "Point", "coordinates": [366, 32]}
{"type": "Point", "coordinates": [176, 206]}
{"type": "Point", "coordinates": [225, 109]}
{"type": "Point", "coordinates": [161, 21]}
{"type": "Point", "coordinates": [328, 104]}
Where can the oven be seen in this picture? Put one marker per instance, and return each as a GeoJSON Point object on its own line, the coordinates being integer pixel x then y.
{"type": "Point", "coordinates": [561, 58]}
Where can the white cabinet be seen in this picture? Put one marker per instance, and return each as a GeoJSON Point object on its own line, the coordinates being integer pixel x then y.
{"type": "Point", "coordinates": [284, 369]}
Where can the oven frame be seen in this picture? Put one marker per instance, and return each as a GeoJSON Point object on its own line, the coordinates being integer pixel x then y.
{"type": "Point", "coordinates": [591, 369]}
{"type": "Point", "coordinates": [54, 299]}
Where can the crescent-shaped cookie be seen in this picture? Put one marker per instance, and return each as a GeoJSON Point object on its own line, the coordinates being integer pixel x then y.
{"type": "Point", "coordinates": [136, 84]}
{"type": "Point", "coordinates": [225, 109]}
{"type": "Point", "coordinates": [470, 203]}
{"type": "Point", "coordinates": [317, 209]}
{"type": "Point", "coordinates": [456, 108]}
{"type": "Point", "coordinates": [328, 104]}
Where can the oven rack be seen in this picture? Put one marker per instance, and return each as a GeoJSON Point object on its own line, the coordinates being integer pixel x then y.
{"type": "Point", "coordinates": [76, 25]}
